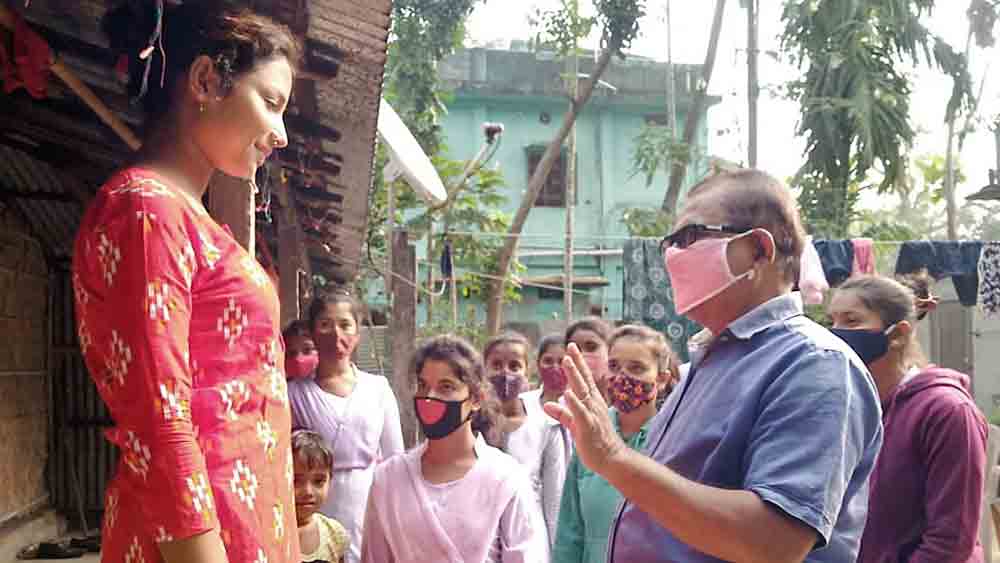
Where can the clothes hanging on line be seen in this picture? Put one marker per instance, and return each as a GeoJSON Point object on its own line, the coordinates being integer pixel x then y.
{"type": "Point", "coordinates": [647, 297]}
{"type": "Point", "coordinates": [837, 257]}
{"type": "Point", "coordinates": [958, 259]}
{"type": "Point", "coordinates": [864, 256]}
{"type": "Point", "coordinates": [989, 279]}
{"type": "Point", "coordinates": [812, 280]}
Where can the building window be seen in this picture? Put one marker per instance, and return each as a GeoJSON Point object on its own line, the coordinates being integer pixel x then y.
{"type": "Point", "coordinates": [655, 119]}
{"type": "Point", "coordinates": [553, 192]}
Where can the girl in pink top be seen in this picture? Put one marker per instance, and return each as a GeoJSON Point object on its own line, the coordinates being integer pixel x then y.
{"type": "Point", "coordinates": [454, 498]}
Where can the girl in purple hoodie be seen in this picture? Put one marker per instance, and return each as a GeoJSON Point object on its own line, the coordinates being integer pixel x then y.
{"type": "Point", "coordinates": [926, 490]}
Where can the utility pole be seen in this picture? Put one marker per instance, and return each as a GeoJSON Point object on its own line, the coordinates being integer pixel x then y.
{"type": "Point", "coordinates": [390, 194]}
{"type": "Point", "coordinates": [753, 82]}
{"type": "Point", "coordinates": [574, 65]}
{"type": "Point", "coordinates": [671, 83]}
{"type": "Point", "coordinates": [431, 296]}
{"type": "Point", "coordinates": [403, 327]}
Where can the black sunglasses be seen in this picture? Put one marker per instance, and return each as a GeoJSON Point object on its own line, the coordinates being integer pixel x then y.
{"type": "Point", "coordinates": [689, 234]}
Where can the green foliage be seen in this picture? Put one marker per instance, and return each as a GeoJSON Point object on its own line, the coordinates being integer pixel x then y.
{"type": "Point", "coordinates": [827, 212]}
{"type": "Point", "coordinates": [562, 28]}
{"type": "Point", "coordinates": [475, 208]}
{"type": "Point", "coordinates": [854, 94]}
{"type": "Point", "coordinates": [619, 20]}
{"type": "Point", "coordinates": [474, 332]}
{"type": "Point", "coordinates": [920, 212]}
{"type": "Point", "coordinates": [423, 33]}
{"type": "Point", "coordinates": [983, 17]}
{"type": "Point", "coordinates": [647, 222]}
{"type": "Point", "coordinates": [655, 149]}
{"type": "Point", "coordinates": [881, 229]}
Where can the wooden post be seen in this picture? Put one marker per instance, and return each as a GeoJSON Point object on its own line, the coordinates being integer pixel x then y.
{"type": "Point", "coordinates": [403, 327]}
{"type": "Point", "coordinates": [231, 202]}
{"type": "Point", "coordinates": [753, 85]}
{"type": "Point", "coordinates": [291, 253]}
{"type": "Point", "coordinates": [570, 203]}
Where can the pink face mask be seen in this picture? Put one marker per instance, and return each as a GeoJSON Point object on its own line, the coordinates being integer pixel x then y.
{"type": "Point", "coordinates": [301, 365]}
{"type": "Point", "coordinates": [701, 271]}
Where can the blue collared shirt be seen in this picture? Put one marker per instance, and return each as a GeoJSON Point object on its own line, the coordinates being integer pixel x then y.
{"type": "Point", "coordinates": [776, 405]}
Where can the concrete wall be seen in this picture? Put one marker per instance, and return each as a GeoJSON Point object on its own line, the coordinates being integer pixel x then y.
{"type": "Point", "coordinates": [24, 395]}
{"type": "Point", "coordinates": [606, 185]}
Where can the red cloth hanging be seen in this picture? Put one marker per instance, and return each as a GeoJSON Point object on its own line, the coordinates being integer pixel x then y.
{"type": "Point", "coordinates": [29, 68]}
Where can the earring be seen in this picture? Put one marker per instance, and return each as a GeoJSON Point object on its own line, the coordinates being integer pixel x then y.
{"type": "Point", "coordinates": [201, 108]}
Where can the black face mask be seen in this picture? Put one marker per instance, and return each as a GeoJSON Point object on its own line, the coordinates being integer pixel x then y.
{"type": "Point", "coordinates": [870, 345]}
{"type": "Point", "coordinates": [439, 418]}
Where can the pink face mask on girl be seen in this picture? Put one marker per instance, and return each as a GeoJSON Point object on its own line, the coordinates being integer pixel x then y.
{"type": "Point", "coordinates": [301, 365]}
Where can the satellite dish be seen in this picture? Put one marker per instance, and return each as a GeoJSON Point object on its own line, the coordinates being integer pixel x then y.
{"type": "Point", "coordinates": [406, 158]}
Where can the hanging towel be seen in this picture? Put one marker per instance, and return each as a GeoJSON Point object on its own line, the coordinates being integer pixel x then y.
{"type": "Point", "coordinates": [837, 257]}
{"type": "Point", "coordinates": [648, 298]}
{"type": "Point", "coordinates": [812, 280]}
{"type": "Point", "coordinates": [958, 259]}
{"type": "Point", "coordinates": [864, 256]}
{"type": "Point", "coordinates": [989, 279]}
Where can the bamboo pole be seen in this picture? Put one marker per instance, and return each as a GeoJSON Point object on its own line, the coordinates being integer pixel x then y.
{"type": "Point", "coordinates": [89, 97]}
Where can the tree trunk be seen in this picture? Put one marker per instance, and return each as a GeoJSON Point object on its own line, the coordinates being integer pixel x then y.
{"type": "Point", "coordinates": [949, 182]}
{"type": "Point", "coordinates": [678, 169]}
{"type": "Point", "coordinates": [494, 306]}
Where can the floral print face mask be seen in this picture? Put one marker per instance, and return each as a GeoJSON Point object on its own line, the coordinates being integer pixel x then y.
{"type": "Point", "coordinates": [628, 393]}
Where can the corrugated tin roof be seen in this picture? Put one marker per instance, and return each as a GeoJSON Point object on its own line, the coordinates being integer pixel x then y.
{"type": "Point", "coordinates": [332, 143]}
{"type": "Point", "coordinates": [37, 193]}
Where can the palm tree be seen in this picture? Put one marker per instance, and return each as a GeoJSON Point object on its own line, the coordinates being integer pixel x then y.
{"type": "Point", "coordinates": [855, 101]}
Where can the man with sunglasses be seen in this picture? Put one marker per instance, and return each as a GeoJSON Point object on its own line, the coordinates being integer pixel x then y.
{"type": "Point", "coordinates": [763, 452]}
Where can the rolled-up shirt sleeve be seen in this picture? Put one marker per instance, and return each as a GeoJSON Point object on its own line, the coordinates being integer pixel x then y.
{"type": "Point", "coordinates": [814, 429]}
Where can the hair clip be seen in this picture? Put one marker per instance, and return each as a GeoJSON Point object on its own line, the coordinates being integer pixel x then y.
{"type": "Point", "coordinates": [927, 303]}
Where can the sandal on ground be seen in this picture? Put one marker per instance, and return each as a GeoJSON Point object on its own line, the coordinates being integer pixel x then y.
{"type": "Point", "coordinates": [49, 550]}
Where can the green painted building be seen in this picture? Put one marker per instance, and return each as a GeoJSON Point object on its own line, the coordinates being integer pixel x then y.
{"type": "Point", "coordinates": [523, 90]}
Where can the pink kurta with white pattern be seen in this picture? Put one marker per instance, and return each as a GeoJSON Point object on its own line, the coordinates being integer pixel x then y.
{"type": "Point", "coordinates": [179, 328]}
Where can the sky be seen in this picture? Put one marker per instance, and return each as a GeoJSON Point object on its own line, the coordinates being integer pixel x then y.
{"type": "Point", "coordinates": [779, 148]}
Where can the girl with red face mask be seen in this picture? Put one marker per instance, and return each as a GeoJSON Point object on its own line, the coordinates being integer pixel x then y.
{"type": "Point", "coordinates": [453, 497]}
{"type": "Point", "coordinates": [301, 357]}
{"type": "Point", "coordinates": [355, 412]}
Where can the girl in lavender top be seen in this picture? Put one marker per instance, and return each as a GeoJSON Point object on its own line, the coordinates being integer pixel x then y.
{"type": "Point", "coordinates": [355, 412]}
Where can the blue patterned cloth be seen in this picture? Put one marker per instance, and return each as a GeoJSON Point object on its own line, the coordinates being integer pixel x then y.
{"type": "Point", "coordinates": [648, 298]}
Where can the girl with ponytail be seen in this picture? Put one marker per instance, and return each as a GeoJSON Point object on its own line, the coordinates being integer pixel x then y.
{"type": "Point", "coordinates": [925, 496]}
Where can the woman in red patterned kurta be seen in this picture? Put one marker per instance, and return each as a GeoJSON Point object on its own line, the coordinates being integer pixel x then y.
{"type": "Point", "coordinates": [179, 326]}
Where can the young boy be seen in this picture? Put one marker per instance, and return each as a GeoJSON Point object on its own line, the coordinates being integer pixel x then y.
{"type": "Point", "coordinates": [301, 357]}
{"type": "Point", "coordinates": [321, 539]}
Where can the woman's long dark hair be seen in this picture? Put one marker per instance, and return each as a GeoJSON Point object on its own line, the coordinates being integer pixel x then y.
{"type": "Point", "coordinates": [159, 41]}
{"type": "Point", "coordinates": [468, 367]}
